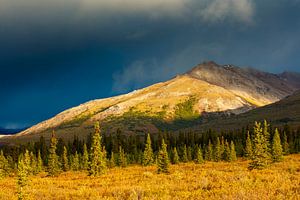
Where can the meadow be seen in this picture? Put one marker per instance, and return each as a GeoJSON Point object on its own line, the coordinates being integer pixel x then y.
{"type": "Point", "coordinates": [212, 180]}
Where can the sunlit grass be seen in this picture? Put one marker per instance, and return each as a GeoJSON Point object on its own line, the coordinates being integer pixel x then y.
{"type": "Point", "coordinates": [186, 181]}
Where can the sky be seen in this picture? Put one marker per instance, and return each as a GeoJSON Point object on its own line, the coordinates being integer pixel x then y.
{"type": "Point", "coordinates": [56, 54]}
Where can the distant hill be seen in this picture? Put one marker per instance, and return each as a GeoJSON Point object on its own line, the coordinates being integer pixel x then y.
{"type": "Point", "coordinates": [206, 92]}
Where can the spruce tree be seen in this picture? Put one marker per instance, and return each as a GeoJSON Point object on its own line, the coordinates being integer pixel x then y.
{"type": "Point", "coordinates": [65, 160]}
{"type": "Point", "coordinates": [97, 160]}
{"type": "Point", "coordinates": [189, 153]}
{"type": "Point", "coordinates": [148, 153]}
{"type": "Point", "coordinates": [53, 165]}
{"type": "Point", "coordinates": [27, 162]}
{"type": "Point", "coordinates": [209, 152]}
{"type": "Point", "coordinates": [85, 158]}
{"type": "Point", "coordinates": [199, 156]}
{"type": "Point", "coordinates": [217, 151]}
{"type": "Point", "coordinates": [285, 144]}
{"type": "Point", "coordinates": [22, 178]}
{"type": "Point", "coordinates": [232, 156]}
{"type": "Point", "coordinates": [122, 157]}
{"type": "Point", "coordinates": [175, 156]}
{"type": "Point", "coordinates": [75, 162]}
{"type": "Point", "coordinates": [261, 156]}
{"type": "Point", "coordinates": [163, 159]}
{"type": "Point", "coordinates": [226, 154]}
{"type": "Point", "coordinates": [184, 154]}
{"type": "Point", "coordinates": [248, 148]}
{"type": "Point", "coordinates": [222, 147]}
{"type": "Point", "coordinates": [33, 163]}
{"type": "Point", "coordinates": [277, 153]}
{"type": "Point", "coordinates": [267, 135]}
{"type": "Point", "coordinates": [39, 166]}
{"type": "Point", "coordinates": [112, 160]}
{"type": "Point", "coordinates": [4, 165]}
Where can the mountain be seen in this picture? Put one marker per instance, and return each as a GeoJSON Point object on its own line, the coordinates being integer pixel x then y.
{"type": "Point", "coordinates": [206, 92]}
{"type": "Point", "coordinates": [285, 111]}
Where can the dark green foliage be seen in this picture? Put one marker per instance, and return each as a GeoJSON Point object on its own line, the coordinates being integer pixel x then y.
{"type": "Point", "coordinates": [285, 144]}
{"type": "Point", "coordinates": [22, 177]}
{"type": "Point", "coordinates": [148, 153]}
{"type": "Point", "coordinates": [97, 159]}
{"type": "Point", "coordinates": [184, 154]}
{"type": "Point", "coordinates": [4, 165]}
{"type": "Point", "coordinates": [248, 147]}
{"type": "Point", "coordinates": [112, 160]}
{"type": "Point", "coordinates": [209, 152]}
{"type": "Point", "coordinates": [217, 151]}
{"type": "Point", "coordinates": [65, 160]}
{"type": "Point", "coordinates": [39, 166]}
{"type": "Point", "coordinates": [185, 110]}
{"type": "Point", "coordinates": [199, 156]}
{"type": "Point", "coordinates": [175, 158]}
{"type": "Point", "coordinates": [226, 154]}
{"type": "Point", "coordinates": [75, 166]}
{"type": "Point", "coordinates": [122, 162]}
{"type": "Point", "coordinates": [277, 153]}
{"type": "Point", "coordinates": [261, 155]}
{"type": "Point", "coordinates": [53, 165]}
{"type": "Point", "coordinates": [163, 159]}
{"type": "Point", "coordinates": [85, 158]}
{"type": "Point", "coordinates": [232, 156]}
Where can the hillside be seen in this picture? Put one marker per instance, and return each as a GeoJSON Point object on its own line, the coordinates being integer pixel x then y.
{"type": "Point", "coordinates": [286, 111]}
{"type": "Point", "coordinates": [207, 91]}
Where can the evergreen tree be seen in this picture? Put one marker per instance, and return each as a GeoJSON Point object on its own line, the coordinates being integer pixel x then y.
{"type": "Point", "coordinates": [175, 156]}
{"type": "Point", "coordinates": [122, 157]}
{"type": "Point", "coordinates": [148, 153]}
{"type": "Point", "coordinates": [75, 162]}
{"type": "Point", "coordinates": [184, 154]}
{"type": "Point", "coordinates": [248, 148]}
{"type": "Point", "coordinates": [53, 165]}
{"type": "Point", "coordinates": [209, 152]}
{"type": "Point", "coordinates": [199, 156]}
{"type": "Point", "coordinates": [33, 163]}
{"type": "Point", "coordinates": [222, 147]}
{"type": "Point", "coordinates": [232, 156]}
{"type": "Point", "coordinates": [22, 177]}
{"type": "Point", "coordinates": [97, 160]}
{"type": "Point", "coordinates": [261, 156]}
{"type": "Point", "coordinates": [285, 144]}
{"type": "Point", "coordinates": [189, 153]}
{"type": "Point", "coordinates": [163, 159]}
{"type": "Point", "coordinates": [65, 160]}
{"type": "Point", "coordinates": [39, 166]}
{"type": "Point", "coordinates": [266, 134]}
{"type": "Point", "coordinates": [277, 153]}
{"type": "Point", "coordinates": [85, 158]}
{"type": "Point", "coordinates": [112, 161]}
{"type": "Point", "coordinates": [217, 151]}
{"type": "Point", "coordinates": [4, 165]}
{"type": "Point", "coordinates": [226, 154]}
{"type": "Point", "coordinates": [27, 162]}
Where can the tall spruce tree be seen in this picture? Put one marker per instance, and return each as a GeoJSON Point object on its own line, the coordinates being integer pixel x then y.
{"type": "Point", "coordinates": [217, 151]}
{"type": "Point", "coordinates": [248, 147]}
{"type": "Point", "coordinates": [33, 163]}
{"type": "Point", "coordinates": [184, 154]}
{"type": "Point", "coordinates": [22, 177]}
{"type": "Point", "coordinates": [65, 160]}
{"type": "Point", "coordinates": [112, 160]}
{"type": "Point", "coordinates": [85, 158]}
{"type": "Point", "coordinates": [75, 162]}
{"type": "Point", "coordinates": [226, 154]}
{"type": "Point", "coordinates": [175, 157]}
{"type": "Point", "coordinates": [199, 156]}
{"type": "Point", "coordinates": [53, 165]}
{"type": "Point", "coordinates": [122, 157]}
{"type": "Point", "coordinates": [267, 135]}
{"type": "Point", "coordinates": [232, 156]}
{"type": "Point", "coordinates": [39, 166]}
{"type": "Point", "coordinates": [148, 152]}
{"type": "Point", "coordinates": [261, 156]}
{"type": "Point", "coordinates": [163, 159]}
{"type": "Point", "coordinates": [277, 152]}
{"type": "Point", "coordinates": [4, 165]}
{"type": "Point", "coordinates": [209, 152]}
{"type": "Point", "coordinates": [97, 160]}
{"type": "Point", "coordinates": [285, 144]}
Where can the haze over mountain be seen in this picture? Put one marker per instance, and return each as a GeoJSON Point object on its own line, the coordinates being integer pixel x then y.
{"type": "Point", "coordinates": [206, 92]}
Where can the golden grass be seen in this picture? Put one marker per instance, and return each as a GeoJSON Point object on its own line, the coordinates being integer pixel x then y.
{"type": "Point", "coordinates": [186, 181]}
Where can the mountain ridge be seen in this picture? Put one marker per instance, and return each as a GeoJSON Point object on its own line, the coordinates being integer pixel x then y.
{"type": "Point", "coordinates": [191, 97]}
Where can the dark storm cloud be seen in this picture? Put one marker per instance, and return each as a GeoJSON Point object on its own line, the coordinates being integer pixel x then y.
{"type": "Point", "coordinates": [56, 54]}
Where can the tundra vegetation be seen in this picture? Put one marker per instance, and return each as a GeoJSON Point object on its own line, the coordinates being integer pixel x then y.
{"type": "Point", "coordinates": [259, 162]}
